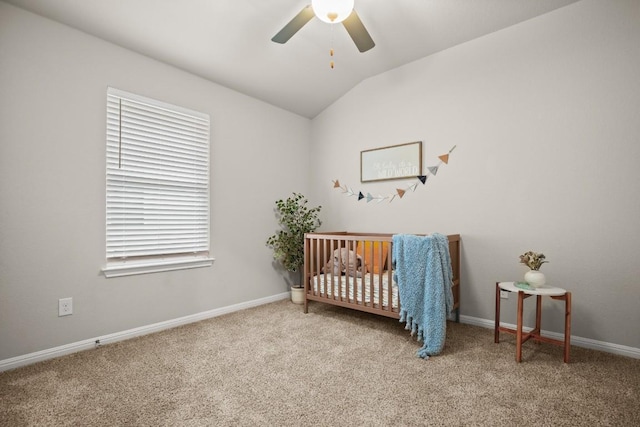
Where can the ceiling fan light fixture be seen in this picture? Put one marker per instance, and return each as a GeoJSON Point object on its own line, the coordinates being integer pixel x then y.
{"type": "Point", "coordinates": [332, 11]}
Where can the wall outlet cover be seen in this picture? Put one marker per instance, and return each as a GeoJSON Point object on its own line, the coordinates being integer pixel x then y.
{"type": "Point", "coordinates": [65, 307]}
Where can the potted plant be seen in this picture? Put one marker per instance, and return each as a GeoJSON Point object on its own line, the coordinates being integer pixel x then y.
{"type": "Point", "coordinates": [534, 261]}
{"type": "Point", "coordinates": [296, 219]}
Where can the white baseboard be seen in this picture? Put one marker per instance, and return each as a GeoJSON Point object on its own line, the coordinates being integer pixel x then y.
{"type": "Point", "coordinates": [27, 359]}
{"type": "Point", "coordinates": [621, 350]}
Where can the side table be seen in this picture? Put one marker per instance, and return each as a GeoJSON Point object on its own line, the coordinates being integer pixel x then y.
{"type": "Point", "coordinates": [521, 337]}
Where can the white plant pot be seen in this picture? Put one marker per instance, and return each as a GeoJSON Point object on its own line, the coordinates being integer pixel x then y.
{"type": "Point", "coordinates": [535, 279]}
{"type": "Point", "coordinates": [297, 295]}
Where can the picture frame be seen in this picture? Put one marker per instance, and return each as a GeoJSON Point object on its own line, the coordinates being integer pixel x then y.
{"type": "Point", "coordinates": [391, 162]}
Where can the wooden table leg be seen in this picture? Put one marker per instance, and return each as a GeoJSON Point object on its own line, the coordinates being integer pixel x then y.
{"type": "Point", "coordinates": [567, 327]}
{"type": "Point", "coordinates": [519, 327]}
{"type": "Point", "coordinates": [538, 317]}
{"type": "Point", "coordinates": [496, 338]}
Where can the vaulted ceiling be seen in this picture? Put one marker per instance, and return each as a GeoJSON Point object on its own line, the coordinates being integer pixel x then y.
{"type": "Point", "coordinates": [229, 41]}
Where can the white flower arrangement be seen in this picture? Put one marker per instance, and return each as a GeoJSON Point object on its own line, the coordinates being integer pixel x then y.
{"type": "Point", "coordinates": [533, 260]}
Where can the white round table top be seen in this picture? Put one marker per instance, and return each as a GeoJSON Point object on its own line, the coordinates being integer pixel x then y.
{"type": "Point", "coordinates": [544, 290]}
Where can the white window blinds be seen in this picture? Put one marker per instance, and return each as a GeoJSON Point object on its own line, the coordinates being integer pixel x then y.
{"type": "Point", "coordinates": [157, 179]}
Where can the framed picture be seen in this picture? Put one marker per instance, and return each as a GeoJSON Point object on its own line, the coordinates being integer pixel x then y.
{"type": "Point", "coordinates": [393, 162]}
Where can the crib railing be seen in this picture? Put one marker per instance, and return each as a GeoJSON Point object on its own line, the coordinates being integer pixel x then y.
{"type": "Point", "coordinates": [365, 290]}
{"type": "Point", "coordinates": [368, 290]}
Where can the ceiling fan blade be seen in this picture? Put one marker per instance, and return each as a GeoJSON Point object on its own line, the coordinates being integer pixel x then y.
{"type": "Point", "coordinates": [358, 32]}
{"type": "Point", "coordinates": [294, 25]}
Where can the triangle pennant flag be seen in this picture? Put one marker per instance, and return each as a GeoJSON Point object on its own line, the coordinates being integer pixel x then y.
{"type": "Point", "coordinates": [423, 178]}
{"type": "Point", "coordinates": [369, 197]}
{"type": "Point", "coordinates": [400, 192]}
{"type": "Point", "coordinates": [413, 187]}
{"type": "Point", "coordinates": [444, 158]}
{"type": "Point", "coordinates": [360, 196]}
{"type": "Point", "coordinates": [433, 170]}
{"type": "Point", "coordinates": [336, 184]}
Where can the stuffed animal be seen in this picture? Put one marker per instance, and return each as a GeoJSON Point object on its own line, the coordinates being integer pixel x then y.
{"type": "Point", "coordinates": [345, 261]}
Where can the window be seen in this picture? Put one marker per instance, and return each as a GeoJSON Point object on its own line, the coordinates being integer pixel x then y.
{"type": "Point", "coordinates": [157, 186]}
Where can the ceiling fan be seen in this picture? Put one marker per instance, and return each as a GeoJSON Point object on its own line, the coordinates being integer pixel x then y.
{"type": "Point", "coordinates": [333, 12]}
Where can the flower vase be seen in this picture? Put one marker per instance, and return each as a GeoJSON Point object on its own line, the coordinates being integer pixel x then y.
{"type": "Point", "coordinates": [534, 278]}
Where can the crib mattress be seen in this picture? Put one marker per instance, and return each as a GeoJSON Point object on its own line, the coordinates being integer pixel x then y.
{"type": "Point", "coordinates": [356, 287]}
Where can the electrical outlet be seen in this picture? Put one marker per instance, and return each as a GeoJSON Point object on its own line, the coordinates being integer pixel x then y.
{"type": "Point", "coordinates": [65, 306]}
{"type": "Point", "coordinates": [504, 294]}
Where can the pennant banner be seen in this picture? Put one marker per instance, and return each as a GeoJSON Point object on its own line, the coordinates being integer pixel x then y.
{"type": "Point", "coordinates": [400, 192]}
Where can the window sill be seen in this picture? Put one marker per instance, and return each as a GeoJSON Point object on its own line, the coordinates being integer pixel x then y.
{"type": "Point", "coordinates": [118, 269]}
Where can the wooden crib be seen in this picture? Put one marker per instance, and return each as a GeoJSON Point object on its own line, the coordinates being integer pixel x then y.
{"type": "Point", "coordinates": [359, 276]}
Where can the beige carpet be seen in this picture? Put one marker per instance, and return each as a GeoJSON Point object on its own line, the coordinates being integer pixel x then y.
{"type": "Point", "coordinates": [275, 366]}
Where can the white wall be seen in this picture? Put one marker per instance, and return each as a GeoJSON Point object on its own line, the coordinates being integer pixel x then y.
{"type": "Point", "coordinates": [545, 119]}
{"type": "Point", "coordinates": [53, 83]}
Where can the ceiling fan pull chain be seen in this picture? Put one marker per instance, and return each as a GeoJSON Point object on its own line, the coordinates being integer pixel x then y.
{"type": "Point", "coordinates": [331, 63]}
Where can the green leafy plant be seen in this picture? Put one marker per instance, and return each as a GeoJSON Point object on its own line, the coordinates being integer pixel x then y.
{"type": "Point", "coordinates": [296, 219]}
{"type": "Point", "coordinates": [533, 260]}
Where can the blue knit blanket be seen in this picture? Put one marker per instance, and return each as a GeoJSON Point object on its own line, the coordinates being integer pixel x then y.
{"type": "Point", "coordinates": [423, 273]}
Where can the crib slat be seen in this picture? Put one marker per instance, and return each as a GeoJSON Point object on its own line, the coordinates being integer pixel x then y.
{"type": "Point", "coordinates": [390, 280]}
{"type": "Point", "coordinates": [332, 247]}
{"type": "Point", "coordinates": [322, 285]}
{"type": "Point", "coordinates": [358, 282]}
{"type": "Point", "coordinates": [315, 256]}
{"type": "Point", "coordinates": [325, 285]}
